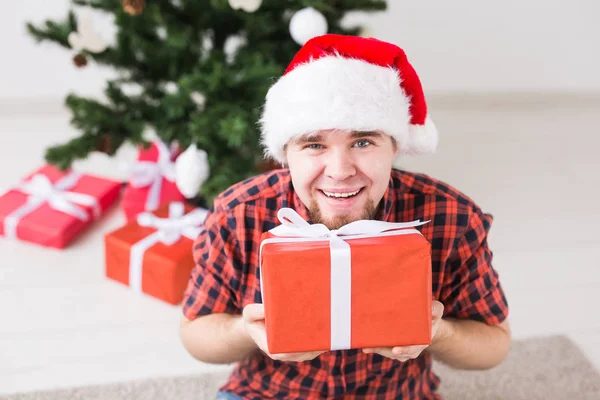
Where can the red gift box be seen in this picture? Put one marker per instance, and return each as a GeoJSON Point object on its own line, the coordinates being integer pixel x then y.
{"type": "Point", "coordinates": [51, 207]}
{"type": "Point", "coordinates": [365, 285]}
{"type": "Point", "coordinates": [152, 181]}
{"type": "Point", "coordinates": [153, 253]}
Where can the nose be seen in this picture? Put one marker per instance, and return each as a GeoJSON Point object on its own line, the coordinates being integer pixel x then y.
{"type": "Point", "coordinates": [340, 165]}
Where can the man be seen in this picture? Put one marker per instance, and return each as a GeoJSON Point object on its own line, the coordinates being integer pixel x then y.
{"type": "Point", "coordinates": [344, 109]}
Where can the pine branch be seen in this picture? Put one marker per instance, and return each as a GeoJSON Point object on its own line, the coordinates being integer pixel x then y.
{"type": "Point", "coordinates": [95, 121]}
{"type": "Point", "coordinates": [79, 148]}
{"type": "Point", "coordinates": [105, 5]}
{"type": "Point", "coordinates": [54, 31]}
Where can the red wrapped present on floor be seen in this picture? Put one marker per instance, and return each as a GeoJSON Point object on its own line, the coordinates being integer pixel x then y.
{"type": "Point", "coordinates": [51, 207]}
{"type": "Point", "coordinates": [153, 253]}
{"type": "Point", "coordinates": [365, 285]}
{"type": "Point", "coordinates": [152, 180]}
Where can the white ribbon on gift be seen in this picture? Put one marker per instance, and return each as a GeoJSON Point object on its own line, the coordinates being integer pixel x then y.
{"type": "Point", "coordinates": [294, 228]}
{"type": "Point", "coordinates": [40, 190]}
{"type": "Point", "coordinates": [151, 173]}
{"type": "Point", "coordinates": [168, 231]}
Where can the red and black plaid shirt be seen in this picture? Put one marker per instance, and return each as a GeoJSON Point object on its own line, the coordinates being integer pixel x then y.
{"type": "Point", "coordinates": [226, 279]}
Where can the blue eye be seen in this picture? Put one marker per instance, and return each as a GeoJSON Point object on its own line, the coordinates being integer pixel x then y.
{"type": "Point", "coordinates": [363, 143]}
{"type": "Point", "coordinates": [314, 146]}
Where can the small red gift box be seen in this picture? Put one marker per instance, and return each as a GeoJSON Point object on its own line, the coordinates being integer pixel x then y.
{"type": "Point", "coordinates": [365, 285]}
{"type": "Point", "coordinates": [153, 253]}
{"type": "Point", "coordinates": [51, 207]}
{"type": "Point", "coordinates": [152, 181]}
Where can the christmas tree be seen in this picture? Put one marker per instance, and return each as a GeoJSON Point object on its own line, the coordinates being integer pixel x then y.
{"type": "Point", "coordinates": [202, 69]}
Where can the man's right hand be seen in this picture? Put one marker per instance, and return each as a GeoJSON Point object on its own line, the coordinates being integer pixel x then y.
{"type": "Point", "coordinates": [254, 324]}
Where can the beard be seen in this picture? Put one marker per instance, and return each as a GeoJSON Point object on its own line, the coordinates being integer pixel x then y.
{"type": "Point", "coordinates": [368, 212]}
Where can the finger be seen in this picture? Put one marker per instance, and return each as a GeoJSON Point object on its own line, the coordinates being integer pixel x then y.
{"type": "Point", "coordinates": [384, 351]}
{"type": "Point", "coordinates": [370, 350]}
{"type": "Point", "coordinates": [254, 312]}
{"type": "Point", "coordinates": [437, 309]}
{"type": "Point", "coordinates": [408, 351]}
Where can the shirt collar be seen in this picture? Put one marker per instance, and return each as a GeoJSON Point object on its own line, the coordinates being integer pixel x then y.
{"type": "Point", "coordinates": [386, 205]}
{"type": "Point", "coordinates": [298, 205]}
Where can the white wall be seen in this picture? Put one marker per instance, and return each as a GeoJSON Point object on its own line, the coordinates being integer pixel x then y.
{"type": "Point", "coordinates": [508, 45]}
{"type": "Point", "coordinates": [458, 45]}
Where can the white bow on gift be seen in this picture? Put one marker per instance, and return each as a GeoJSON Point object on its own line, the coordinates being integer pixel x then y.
{"type": "Point", "coordinates": [294, 228]}
{"type": "Point", "coordinates": [40, 190]}
{"type": "Point", "coordinates": [151, 173]}
{"type": "Point", "coordinates": [292, 224]}
{"type": "Point", "coordinates": [168, 231]}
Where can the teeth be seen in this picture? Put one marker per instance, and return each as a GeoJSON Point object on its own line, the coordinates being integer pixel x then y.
{"type": "Point", "coordinates": [341, 195]}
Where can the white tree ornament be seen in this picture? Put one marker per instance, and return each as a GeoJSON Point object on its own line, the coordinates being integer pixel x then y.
{"type": "Point", "coordinates": [232, 45]}
{"type": "Point", "coordinates": [306, 24]}
{"type": "Point", "coordinates": [86, 37]}
{"type": "Point", "coordinates": [246, 5]}
{"type": "Point", "coordinates": [199, 99]}
{"type": "Point", "coordinates": [191, 171]}
{"type": "Point", "coordinates": [161, 32]}
{"type": "Point", "coordinates": [171, 87]}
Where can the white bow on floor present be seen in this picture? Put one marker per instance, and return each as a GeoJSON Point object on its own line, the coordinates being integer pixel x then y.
{"type": "Point", "coordinates": [40, 190]}
{"type": "Point", "coordinates": [168, 231]}
{"type": "Point", "coordinates": [151, 173]}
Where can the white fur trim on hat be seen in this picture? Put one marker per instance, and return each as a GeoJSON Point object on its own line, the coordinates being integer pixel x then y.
{"type": "Point", "coordinates": [422, 139]}
{"type": "Point", "coordinates": [340, 93]}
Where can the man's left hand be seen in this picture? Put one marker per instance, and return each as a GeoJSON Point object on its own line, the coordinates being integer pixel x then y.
{"type": "Point", "coordinates": [406, 353]}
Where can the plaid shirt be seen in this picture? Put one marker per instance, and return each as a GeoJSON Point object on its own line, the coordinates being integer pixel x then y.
{"type": "Point", "coordinates": [226, 279]}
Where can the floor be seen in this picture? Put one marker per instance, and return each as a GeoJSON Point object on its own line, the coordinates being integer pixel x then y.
{"type": "Point", "coordinates": [531, 161]}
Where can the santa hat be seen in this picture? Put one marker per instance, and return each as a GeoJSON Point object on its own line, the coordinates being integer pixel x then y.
{"type": "Point", "coordinates": [348, 83]}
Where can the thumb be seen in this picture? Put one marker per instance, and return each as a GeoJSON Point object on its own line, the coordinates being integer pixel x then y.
{"type": "Point", "coordinates": [437, 309]}
{"type": "Point", "coordinates": [254, 312]}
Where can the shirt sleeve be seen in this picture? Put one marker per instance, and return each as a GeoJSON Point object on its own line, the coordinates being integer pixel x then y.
{"type": "Point", "coordinates": [212, 283]}
{"type": "Point", "coordinates": [472, 289]}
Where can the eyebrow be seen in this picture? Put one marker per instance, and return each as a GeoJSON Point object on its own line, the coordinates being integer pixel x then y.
{"type": "Point", "coordinates": [309, 139]}
{"type": "Point", "coordinates": [313, 138]}
{"type": "Point", "coordinates": [366, 134]}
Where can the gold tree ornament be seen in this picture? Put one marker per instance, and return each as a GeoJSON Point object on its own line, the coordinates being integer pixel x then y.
{"type": "Point", "coordinates": [134, 7]}
{"type": "Point", "coordinates": [104, 144]}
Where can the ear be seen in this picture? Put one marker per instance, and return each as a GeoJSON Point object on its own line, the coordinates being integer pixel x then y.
{"type": "Point", "coordinates": [284, 158]}
{"type": "Point", "coordinates": [395, 146]}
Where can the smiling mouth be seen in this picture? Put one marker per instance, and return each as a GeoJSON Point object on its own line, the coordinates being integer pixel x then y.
{"type": "Point", "coordinates": [341, 195]}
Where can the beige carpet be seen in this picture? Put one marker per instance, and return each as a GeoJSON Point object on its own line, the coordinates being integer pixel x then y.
{"type": "Point", "coordinates": [551, 368]}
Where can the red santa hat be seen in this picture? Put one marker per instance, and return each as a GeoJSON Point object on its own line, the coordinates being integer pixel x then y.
{"type": "Point", "coordinates": [348, 83]}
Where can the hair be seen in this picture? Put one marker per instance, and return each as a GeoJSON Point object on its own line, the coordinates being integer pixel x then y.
{"type": "Point", "coordinates": [369, 212]}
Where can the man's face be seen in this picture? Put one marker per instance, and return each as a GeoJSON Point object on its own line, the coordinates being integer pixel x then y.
{"type": "Point", "coordinates": [341, 176]}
